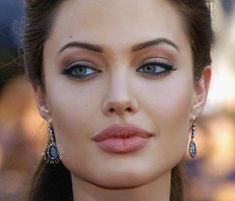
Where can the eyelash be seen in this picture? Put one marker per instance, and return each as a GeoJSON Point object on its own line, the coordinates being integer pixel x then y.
{"type": "Point", "coordinates": [163, 69]}
{"type": "Point", "coordinates": [70, 71]}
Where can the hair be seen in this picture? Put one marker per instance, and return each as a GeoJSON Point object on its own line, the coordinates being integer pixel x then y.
{"type": "Point", "coordinates": [40, 16]}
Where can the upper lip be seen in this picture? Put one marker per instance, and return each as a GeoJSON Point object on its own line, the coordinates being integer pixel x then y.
{"type": "Point", "coordinates": [121, 131]}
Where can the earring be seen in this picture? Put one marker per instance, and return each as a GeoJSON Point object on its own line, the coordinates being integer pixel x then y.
{"type": "Point", "coordinates": [51, 151]}
{"type": "Point", "coordinates": [192, 145]}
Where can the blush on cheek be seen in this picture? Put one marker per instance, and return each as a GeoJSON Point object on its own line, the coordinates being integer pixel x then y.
{"type": "Point", "coordinates": [172, 112]}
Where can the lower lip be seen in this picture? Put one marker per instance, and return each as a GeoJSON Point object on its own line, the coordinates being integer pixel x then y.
{"type": "Point", "coordinates": [123, 145]}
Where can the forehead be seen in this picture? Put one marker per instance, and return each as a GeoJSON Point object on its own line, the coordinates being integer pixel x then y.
{"type": "Point", "coordinates": [117, 23]}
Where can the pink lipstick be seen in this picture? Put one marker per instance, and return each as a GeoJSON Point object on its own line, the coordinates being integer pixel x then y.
{"type": "Point", "coordinates": [122, 138]}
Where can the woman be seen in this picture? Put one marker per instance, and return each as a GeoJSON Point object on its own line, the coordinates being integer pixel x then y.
{"type": "Point", "coordinates": [121, 84]}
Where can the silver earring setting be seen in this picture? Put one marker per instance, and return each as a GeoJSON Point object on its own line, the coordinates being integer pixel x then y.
{"type": "Point", "coordinates": [192, 145]}
{"type": "Point", "coordinates": [52, 152]}
{"type": "Point", "coordinates": [51, 155]}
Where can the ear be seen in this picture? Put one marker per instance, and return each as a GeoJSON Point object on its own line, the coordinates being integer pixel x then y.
{"type": "Point", "coordinates": [41, 101]}
{"type": "Point", "coordinates": [201, 92]}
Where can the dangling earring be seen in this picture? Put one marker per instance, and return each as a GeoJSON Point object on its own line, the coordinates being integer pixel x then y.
{"type": "Point", "coordinates": [192, 145]}
{"type": "Point", "coordinates": [51, 154]}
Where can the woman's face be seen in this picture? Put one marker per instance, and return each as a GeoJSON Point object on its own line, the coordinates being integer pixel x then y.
{"type": "Point", "coordinates": [119, 63]}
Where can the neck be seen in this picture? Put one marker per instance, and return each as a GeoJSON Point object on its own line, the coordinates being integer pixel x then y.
{"type": "Point", "coordinates": [157, 190]}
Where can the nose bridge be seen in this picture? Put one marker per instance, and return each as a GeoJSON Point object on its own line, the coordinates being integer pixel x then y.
{"type": "Point", "coordinates": [118, 97]}
{"type": "Point", "coordinates": [118, 86]}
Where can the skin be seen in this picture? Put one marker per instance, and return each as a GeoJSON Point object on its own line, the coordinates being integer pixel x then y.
{"type": "Point", "coordinates": [162, 104]}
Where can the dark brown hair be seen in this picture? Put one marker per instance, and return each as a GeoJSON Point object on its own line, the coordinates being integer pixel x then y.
{"type": "Point", "coordinates": [40, 16]}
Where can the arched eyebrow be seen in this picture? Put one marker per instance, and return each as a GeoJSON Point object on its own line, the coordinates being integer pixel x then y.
{"type": "Point", "coordinates": [135, 48]}
{"type": "Point", "coordinates": [83, 45]}
{"type": "Point", "coordinates": [157, 41]}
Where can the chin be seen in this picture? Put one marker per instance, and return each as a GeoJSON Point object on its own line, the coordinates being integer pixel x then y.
{"type": "Point", "coordinates": [122, 180]}
{"type": "Point", "coordinates": [121, 183]}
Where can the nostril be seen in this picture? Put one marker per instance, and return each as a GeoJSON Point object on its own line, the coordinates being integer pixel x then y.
{"type": "Point", "coordinates": [112, 110]}
{"type": "Point", "coordinates": [129, 109]}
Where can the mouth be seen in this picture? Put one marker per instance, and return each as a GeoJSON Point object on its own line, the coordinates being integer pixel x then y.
{"type": "Point", "coordinates": [122, 139]}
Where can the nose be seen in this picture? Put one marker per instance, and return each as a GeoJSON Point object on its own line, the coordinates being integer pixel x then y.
{"type": "Point", "coordinates": [118, 99]}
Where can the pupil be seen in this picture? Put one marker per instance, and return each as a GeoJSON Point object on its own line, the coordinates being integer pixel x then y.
{"type": "Point", "coordinates": [81, 70]}
{"type": "Point", "coordinates": [150, 68]}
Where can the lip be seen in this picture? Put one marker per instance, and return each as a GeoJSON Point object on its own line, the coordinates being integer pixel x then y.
{"type": "Point", "coordinates": [122, 138]}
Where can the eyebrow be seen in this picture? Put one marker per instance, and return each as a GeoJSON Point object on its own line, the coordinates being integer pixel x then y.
{"type": "Point", "coordinates": [157, 41]}
{"type": "Point", "coordinates": [83, 45]}
{"type": "Point", "coordinates": [135, 48]}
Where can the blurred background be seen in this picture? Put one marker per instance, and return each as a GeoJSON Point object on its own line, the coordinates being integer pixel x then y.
{"type": "Point", "coordinates": [23, 135]}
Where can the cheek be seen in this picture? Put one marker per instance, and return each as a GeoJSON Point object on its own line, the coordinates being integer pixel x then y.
{"type": "Point", "coordinates": [72, 107]}
{"type": "Point", "coordinates": [168, 100]}
{"type": "Point", "coordinates": [168, 106]}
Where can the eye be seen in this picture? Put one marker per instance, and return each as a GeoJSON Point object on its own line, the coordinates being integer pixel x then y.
{"type": "Point", "coordinates": [156, 68]}
{"type": "Point", "coordinates": [80, 71]}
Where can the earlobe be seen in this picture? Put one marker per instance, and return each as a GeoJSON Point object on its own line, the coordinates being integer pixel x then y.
{"type": "Point", "coordinates": [42, 106]}
{"type": "Point", "coordinates": [201, 93]}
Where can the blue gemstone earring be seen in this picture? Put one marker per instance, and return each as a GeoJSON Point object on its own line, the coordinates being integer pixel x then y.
{"type": "Point", "coordinates": [192, 145]}
{"type": "Point", "coordinates": [51, 152]}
